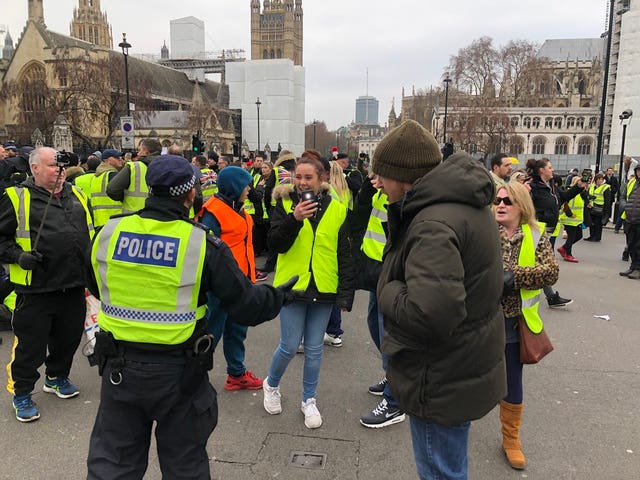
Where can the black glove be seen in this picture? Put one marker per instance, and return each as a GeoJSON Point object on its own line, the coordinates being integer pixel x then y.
{"type": "Point", "coordinates": [509, 283]}
{"type": "Point", "coordinates": [285, 289]}
{"type": "Point", "coordinates": [29, 260]}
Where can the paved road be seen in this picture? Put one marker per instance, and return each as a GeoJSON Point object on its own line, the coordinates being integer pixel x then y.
{"type": "Point", "coordinates": [581, 421]}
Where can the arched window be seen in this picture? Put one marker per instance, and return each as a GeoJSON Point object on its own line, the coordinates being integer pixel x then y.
{"type": "Point", "coordinates": [272, 54]}
{"type": "Point", "coordinates": [562, 146]}
{"type": "Point", "coordinates": [536, 122]}
{"type": "Point", "coordinates": [580, 122]}
{"type": "Point", "coordinates": [548, 122]}
{"type": "Point", "coordinates": [516, 145]}
{"type": "Point", "coordinates": [279, 53]}
{"type": "Point", "coordinates": [527, 122]}
{"type": "Point", "coordinates": [33, 81]}
{"type": "Point", "coordinates": [584, 146]}
{"type": "Point", "coordinates": [571, 122]}
{"type": "Point", "coordinates": [538, 145]}
{"type": "Point", "coordinates": [265, 54]}
{"type": "Point", "coordinates": [557, 122]}
{"type": "Point", "coordinates": [592, 122]}
{"type": "Point", "coordinates": [514, 122]}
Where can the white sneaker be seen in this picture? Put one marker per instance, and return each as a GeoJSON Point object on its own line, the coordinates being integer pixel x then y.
{"type": "Point", "coordinates": [333, 340]}
{"type": "Point", "coordinates": [312, 417]}
{"type": "Point", "coordinates": [271, 400]}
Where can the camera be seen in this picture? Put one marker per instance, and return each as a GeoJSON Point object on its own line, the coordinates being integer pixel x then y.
{"type": "Point", "coordinates": [587, 175]}
{"type": "Point", "coordinates": [308, 195]}
{"type": "Point", "coordinates": [66, 159]}
{"type": "Point", "coordinates": [626, 114]}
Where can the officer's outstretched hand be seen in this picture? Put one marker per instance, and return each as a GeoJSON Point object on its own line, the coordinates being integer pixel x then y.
{"type": "Point", "coordinates": [29, 260]}
{"type": "Point", "coordinates": [286, 287]}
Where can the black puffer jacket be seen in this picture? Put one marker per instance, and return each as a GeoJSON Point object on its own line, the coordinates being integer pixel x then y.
{"type": "Point", "coordinates": [548, 198]}
{"type": "Point", "coordinates": [439, 292]}
{"type": "Point", "coordinates": [63, 243]}
{"type": "Point", "coordinates": [284, 231]}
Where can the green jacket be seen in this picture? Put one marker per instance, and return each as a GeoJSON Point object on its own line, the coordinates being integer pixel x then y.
{"type": "Point", "coordinates": [439, 292]}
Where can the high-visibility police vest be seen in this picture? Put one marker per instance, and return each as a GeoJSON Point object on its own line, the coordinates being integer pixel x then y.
{"type": "Point", "coordinates": [576, 204]}
{"type": "Point", "coordinates": [138, 191]}
{"type": "Point", "coordinates": [83, 182]}
{"type": "Point", "coordinates": [530, 298]}
{"type": "Point", "coordinates": [630, 184]}
{"type": "Point", "coordinates": [102, 205]}
{"type": "Point", "coordinates": [209, 189]}
{"type": "Point", "coordinates": [313, 252]}
{"type": "Point", "coordinates": [148, 273]}
{"type": "Point", "coordinates": [10, 300]}
{"type": "Point", "coordinates": [21, 200]}
{"type": "Point", "coordinates": [236, 231]}
{"type": "Point", "coordinates": [374, 238]}
{"type": "Point", "coordinates": [597, 193]}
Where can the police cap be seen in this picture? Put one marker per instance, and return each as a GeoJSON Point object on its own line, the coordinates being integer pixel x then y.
{"type": "Point", "coordinates": [170, 176]}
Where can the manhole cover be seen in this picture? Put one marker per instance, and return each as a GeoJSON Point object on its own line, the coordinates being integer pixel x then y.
{"type": "Point", "coordinates": [311, 460]}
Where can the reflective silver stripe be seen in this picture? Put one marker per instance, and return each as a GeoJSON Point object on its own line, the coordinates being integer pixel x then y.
{"type": "Point", "coordinates": [103, 187]}
{"type": "Point", "coordinates": [380, 214]}
{"type": "Point", "coordinates": [536, 238]}
{"type": "Point", "coordinates": [531, 302]}
{"type": "Point", "coordinates": [146, 316]}
{"type": "Point", "coordinates": [378, 237]}
{"type": "Point", "coordinates": [190, 269]}
{"type": "Point", "coordinates": [101, 256]}
{"type": "Point", "coordinates": [106, 207]}
{"type": "Point", "coordinates": [23, 229]}
{"type": "Point", "coordinates": [136, 190]}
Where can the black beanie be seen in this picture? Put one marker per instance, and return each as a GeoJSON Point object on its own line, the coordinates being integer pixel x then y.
{"type": "Point", "coordinates": [406, 153]}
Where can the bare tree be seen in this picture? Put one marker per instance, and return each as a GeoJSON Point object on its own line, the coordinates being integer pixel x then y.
{"type": "Point", "coordinates": [475, 68]}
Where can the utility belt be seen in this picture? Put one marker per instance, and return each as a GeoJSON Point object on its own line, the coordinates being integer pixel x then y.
{"type": "Point", "coordinates": [197, 359]}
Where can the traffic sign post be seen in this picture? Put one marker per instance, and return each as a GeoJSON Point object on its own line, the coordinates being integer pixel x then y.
{"type": "Point", "coordinates": [128, 133]}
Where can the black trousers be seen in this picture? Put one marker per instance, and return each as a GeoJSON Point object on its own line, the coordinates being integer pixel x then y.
{"type": "Point", "coordinates": [150, 392]}
{"type": "Point", "coordinates": [595, 230]}
{"type": "Point", "coordinates": [632, 231]}
{"type": "Point", "coordinates": [45, 321]}
{"type": "Point", "coordinates": [574, 235]}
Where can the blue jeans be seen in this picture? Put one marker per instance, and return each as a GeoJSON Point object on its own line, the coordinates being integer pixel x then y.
{"type": "Point", "coordinates": [233, 336]}
{"type": "Point", "coordinates": [298, 320]}
{"type": "Point", "coordinates": [335, 322]}
{"type": "Point", "coordinates": [514, 373]}
{"type": "Point", "coordinates": [440, 450]}
{"type": "Point", "coordinates": [376, 330]}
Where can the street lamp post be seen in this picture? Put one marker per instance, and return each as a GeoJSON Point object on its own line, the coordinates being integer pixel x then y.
{"type": "Point", "coordinates": [447, 81]}
{"type": "Point", "coordinates": [315, 123]}
{"type": "Point", "coordinates": [258, 103]}
{"type": "Point", "coordinates": [125, 51]}
{"type": "Point", "coordinates": [625, 119]}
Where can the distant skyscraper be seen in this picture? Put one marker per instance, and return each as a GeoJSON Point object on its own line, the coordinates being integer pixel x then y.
{"type": "Point", "coordinates": [277, 31]}
{"type": "Point", "coordinates": [187, 38]}
{"type": "Point", "coordinates": [367, 110]}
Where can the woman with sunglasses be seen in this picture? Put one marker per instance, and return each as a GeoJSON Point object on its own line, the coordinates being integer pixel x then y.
{"type": "Point", "coordinates": [529, 264]}
{"type": "Point", "coordinates": [547, 199]}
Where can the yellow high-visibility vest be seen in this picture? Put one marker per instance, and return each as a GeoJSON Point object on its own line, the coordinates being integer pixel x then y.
{"type": "Point", "coordinates": [21, 200]}
{"type": "Point", "coordinates": [313, 252]}
{"type": "Point", "coordinates": [138, 191]}
{"type": "Point", "coordinates": [102, 205]}
{"type": "Point", "coordinates": [530, 298]}
{"type": "Point", "coordinates": [374, 238]}
{"type": "Point", "coordinates": [576, 204]}
{"type": "Point", "coordinates": [148, 273]}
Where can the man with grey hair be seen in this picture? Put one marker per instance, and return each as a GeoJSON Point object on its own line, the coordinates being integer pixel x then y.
{"type": "Point", "coordinates": [45, 229]}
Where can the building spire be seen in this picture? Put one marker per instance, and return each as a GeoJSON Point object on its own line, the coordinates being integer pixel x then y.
{"type": "Point", "coordinates": [36, 11]}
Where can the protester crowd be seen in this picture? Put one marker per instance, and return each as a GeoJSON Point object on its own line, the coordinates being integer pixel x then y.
{"type": "Point", "coordinates": [416, 225]}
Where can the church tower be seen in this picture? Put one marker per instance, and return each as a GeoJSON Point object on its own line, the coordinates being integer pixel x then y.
{"type": "Point", "coordinates": [277, 32]}
{"type": "Point", "coordinates": [36, 11]}
{"type": "Point", "coordinates": [7, 50]}
{"type": "Point", "coordinates": [91, 25]}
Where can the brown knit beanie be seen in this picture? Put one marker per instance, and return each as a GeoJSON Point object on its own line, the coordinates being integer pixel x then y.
{"type": "Point", "coordinates": [406, 153]}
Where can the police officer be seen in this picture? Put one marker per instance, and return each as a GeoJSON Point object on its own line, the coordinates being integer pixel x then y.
{"type": "Point", "coordinates": [152, 271]}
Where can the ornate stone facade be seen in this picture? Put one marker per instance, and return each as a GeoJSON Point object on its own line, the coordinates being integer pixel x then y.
{"type": "Point", "coordinates": [91, 25]}
{"type": "Point", "coordinates": [277, 31]}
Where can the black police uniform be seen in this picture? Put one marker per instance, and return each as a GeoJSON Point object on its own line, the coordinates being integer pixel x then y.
{"type": "Point", "coordinates": [143, 383]}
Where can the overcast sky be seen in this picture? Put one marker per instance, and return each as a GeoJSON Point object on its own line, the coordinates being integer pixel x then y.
{"type": "Point", "coordinates": [402, 42]}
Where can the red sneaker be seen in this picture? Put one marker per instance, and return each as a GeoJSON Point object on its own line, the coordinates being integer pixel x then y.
{"type": "Point", "coordinates": [261, 276]}
{"type": "Point", "coordinates": [569, 258]}
{"type": "Point", "coordinates": [246, 381]}
{"type": "Point", "coordinates": [562, 252]}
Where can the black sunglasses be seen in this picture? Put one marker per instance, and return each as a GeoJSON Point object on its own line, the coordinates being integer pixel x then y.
{"type": "Point", "coordinates": [507, 201]}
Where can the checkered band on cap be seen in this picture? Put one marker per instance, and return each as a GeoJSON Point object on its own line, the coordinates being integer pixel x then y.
{"type": "Point", "coordinates": [178, 190]}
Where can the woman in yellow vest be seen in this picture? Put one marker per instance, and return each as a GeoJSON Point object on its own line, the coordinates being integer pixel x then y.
{"type": "Point", "coordinates": [529, 265]}
{"type": "Point", "coordinates": [572, 217]}
{"type": "Point", "coordinates": [311, 236]}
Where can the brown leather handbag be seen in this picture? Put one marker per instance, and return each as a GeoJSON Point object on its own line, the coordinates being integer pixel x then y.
{"type": "Point", "coordinates": [533, 347]}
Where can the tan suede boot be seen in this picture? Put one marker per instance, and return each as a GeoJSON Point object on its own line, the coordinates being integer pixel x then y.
{"type": "Point", "coordinates": [510, 416]}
